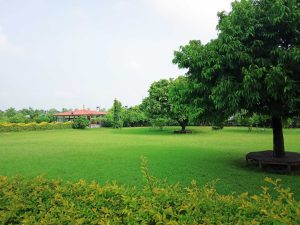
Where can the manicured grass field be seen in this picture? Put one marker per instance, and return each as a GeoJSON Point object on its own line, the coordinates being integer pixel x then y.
{"type": "Point", "coordinates": [107, 154]}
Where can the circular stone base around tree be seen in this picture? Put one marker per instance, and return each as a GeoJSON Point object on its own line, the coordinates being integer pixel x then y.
{"type": "Point", "coordinates": [182, 131]}
{"type": "Point", "coordinates": [266, 158]}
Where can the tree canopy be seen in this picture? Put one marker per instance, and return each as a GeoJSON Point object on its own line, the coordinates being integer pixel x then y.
{"type": "Point", "coordinates": [253, 64]}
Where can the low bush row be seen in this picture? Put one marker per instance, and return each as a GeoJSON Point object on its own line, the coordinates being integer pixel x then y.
{"type": "Point", "coordinates": [44, 201]}
{"type": "Point", "coordinates": [8, 127]}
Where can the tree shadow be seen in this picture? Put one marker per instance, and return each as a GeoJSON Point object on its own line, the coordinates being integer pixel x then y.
{"type": "Point", "coordinates": [271, 169]}
{"type": "Point", "coordinates": [168, 131]}
{"type": "Point", "coordinates": [245, 130]}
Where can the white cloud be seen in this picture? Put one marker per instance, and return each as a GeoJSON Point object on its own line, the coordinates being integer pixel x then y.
{"type": "Point", "coordinates": [80, 13]}
{"type": "Point", "coordinates": [6, 46]}
{"type": "Point", "coordinates": [65, 94]}
{"type": "Point", "coordinates": [191, 14]}
{"type": "Point", "coordinates": [121, 5]}
{"type": "Point", "coordinates": [134, 66]}
{"type": "Point", "coordinates": [89, 52]}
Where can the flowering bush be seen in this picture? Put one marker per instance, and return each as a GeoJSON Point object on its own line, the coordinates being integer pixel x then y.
{"type": "Point", "coordinates": [43, 201]}
{"type": "Point", "coordinates": [8, 127]}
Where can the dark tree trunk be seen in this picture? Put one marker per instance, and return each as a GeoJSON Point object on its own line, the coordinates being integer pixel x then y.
{"type": "Point", "coordinates": [278, 141]}
{"type": "Point", "coordinates": [183, 124]}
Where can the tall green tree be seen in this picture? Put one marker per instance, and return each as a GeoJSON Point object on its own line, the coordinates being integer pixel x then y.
{"type": "Point", "coordinates": [180, 107]}
{"type": "Point", "coordinates": [253, 64]}
{"type": "Point", "coordinates": [117, 114]}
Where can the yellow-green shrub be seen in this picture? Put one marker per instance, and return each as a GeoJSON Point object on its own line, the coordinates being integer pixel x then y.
{"type": "Point", "coordinates": [44, 201]}
{"type": "Point", "coordinates": [8, 127]}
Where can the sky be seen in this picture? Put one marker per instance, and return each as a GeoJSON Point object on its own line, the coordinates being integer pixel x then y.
{"type": "Point", "coordinates": [70, 53]}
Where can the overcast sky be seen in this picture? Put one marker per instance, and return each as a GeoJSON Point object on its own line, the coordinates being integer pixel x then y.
{"type": "Point", "coordinates": [69, 53]}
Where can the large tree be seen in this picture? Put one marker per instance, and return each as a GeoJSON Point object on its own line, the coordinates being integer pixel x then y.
{"type": "Point", "coordinates": [253, 64]}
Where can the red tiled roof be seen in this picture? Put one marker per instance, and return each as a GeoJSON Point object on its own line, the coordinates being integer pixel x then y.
{"type": "Point", "coordinates": [80, 112]}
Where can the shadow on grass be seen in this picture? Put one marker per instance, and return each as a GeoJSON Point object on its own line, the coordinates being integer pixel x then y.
{"type": "Point", "coordinates": [271, 169]}
{"type": "Point", "coordinates": [168, 131]}
{"type": "Point", "coordinates": [245, 130]}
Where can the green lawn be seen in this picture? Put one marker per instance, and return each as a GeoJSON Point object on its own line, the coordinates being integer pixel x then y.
{"type": "Point", "coordinates": [107, 154]}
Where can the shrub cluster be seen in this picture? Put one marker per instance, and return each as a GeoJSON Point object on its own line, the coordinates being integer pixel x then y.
{"type": "Point", "coordinates": [44, 201]}
{"type": "Point", "coordinates": [7, 127]}
{"type": "Point", "coordinates": [80, 122]}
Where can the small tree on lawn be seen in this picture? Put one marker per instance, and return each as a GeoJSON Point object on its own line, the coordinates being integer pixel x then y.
{"type": "Point", "coordinates": [180, 107]}
{"type": "Point", "coordinates": [167, 101]}
{"type": "Point", "coordinates": [157, 105]}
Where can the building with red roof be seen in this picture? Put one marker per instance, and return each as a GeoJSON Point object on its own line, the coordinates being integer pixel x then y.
{"type": "Point", "coordinates": [71, 115]}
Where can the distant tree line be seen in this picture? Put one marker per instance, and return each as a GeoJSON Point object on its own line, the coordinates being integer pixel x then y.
{"type": "Point", "coordinates": [27, 115]}
{"type": "Point", "coordinates": [168, 104]}
{"type": "Point", "coordinates": [121, 116]}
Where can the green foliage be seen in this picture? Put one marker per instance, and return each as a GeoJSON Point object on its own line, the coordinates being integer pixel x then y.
{"type": "Point", "coordinates": [159, 122]}
{"type": "Point", "coordinates": [127, 117]}
{"type": "Point", "coordinates": [134, 117]}
{"type": "Point", "coordinates": [17, 118]}
{"type": "Point", "coordinates": [8, 127]}
{"type": "Point", "coordinates": [97, 120]}
{"type": "Point", "coordinates": [108, 119]}
{"type": "Point", "coordinates": [260, 44]}
{"type": "Point", "coordinates": [27, 115]}
{"type": "Point", "coordinates": [255, 120]}
{"type": "Point", "coordinates": [167, 102]}
{"type": "Point", "coordinates": [10, 112]}
{"type": "Point", "coordinates": [117, 114]}
{"type": "Point", "coordinates": [80, 122]}
{"type": "Point", "coordinates": [295, 121]}
{"type": "Point", "coordinates": [253, 64]}
{"type": "Point", "coordinates": [201, 61]}
{"type": "Point", "coordinates": [42, 118]}
{"type": "Point", "coordinates": [3, 117]}
{"type": "Point", "coordinates": [288, 123]}
{"type": "Point", "coordinates": [50, 114]}
{"type": "Point", "coordinates": [157, 104]}
{"type": "Point", "coordinates": [43, 201]}
{"type": "Point", "coordinates": [178, 98]}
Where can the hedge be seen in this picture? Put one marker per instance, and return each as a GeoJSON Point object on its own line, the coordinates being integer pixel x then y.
{"type": "Point", "coordinates": [44, 201]}
{"type": "Point", "coordinates": [8, 127]}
